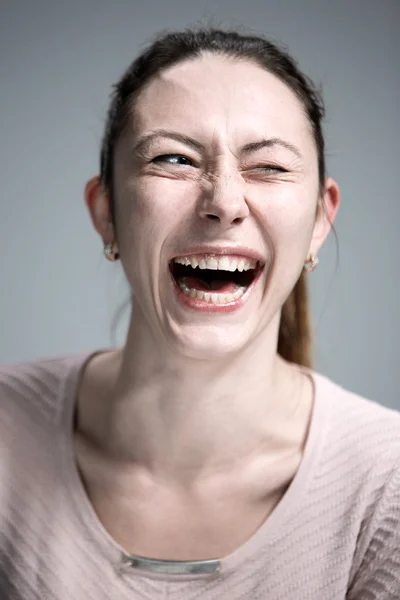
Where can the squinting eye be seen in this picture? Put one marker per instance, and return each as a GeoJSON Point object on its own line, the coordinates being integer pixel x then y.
{"type": "Point", "coordinates": [269, 168]}
{"type": "Point", "coordinates": [173, 159]}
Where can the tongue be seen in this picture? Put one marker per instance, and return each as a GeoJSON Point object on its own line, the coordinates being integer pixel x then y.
{"type": "Point", "coordinates": [223, 287]}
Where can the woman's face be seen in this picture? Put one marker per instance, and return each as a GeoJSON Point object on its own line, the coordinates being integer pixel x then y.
{"type": "Point", "coordinates": [219, 153]}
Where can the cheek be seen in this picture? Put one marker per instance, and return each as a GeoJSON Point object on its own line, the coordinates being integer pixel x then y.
{"type": "Point", "coordinates": [288, 213]}
{"type": "Point", "coordinates": [142, 212]}
{"type": "Point", "coordinates": [288, 217]}
{"type": "Point", "coordinates": [150, 210]}
{"type": "Point", "coordinates": [289, 220]}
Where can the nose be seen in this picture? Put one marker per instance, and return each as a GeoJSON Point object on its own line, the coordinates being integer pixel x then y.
{"type": "Point", "coordinates": [224, 200]}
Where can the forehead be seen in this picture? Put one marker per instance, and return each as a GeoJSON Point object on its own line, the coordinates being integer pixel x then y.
{"type": "Point", "coordinates": [221, 96]}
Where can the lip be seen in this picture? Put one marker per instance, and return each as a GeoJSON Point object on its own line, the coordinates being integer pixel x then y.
{"type": "Point", "coordinates": [239, 251]}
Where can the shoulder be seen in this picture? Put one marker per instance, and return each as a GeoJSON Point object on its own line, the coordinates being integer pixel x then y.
{"type": "Point", "coordinates": [377, 557]}
{"type": "Point", "coordinates": [359, 471]}
{"type": "Point", "coordinates": [359, 445]}
{"type": "Point", "coordinates": [33, 390]}
{"type": "Point", "coordinates": [366, 428]}
{"type": "Point", "coordinates": [36, 403]}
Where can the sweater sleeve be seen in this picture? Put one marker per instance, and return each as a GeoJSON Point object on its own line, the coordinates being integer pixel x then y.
{"type": "Point", "coordinates": [378, 577]}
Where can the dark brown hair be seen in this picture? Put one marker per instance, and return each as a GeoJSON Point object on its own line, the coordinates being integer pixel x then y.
{"type": "Point", "coordinates": [295, 339]}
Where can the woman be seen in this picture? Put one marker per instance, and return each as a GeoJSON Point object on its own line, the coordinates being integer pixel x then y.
{"type": "Point", "coordinates": [205, 458]}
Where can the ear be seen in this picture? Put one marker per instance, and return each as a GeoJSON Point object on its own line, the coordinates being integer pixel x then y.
{"type": "Point", "coordinates": [328, 206]}
{"type": "Point", "coordinates": [98, 204]}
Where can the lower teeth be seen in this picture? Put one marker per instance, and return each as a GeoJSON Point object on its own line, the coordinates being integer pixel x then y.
{"type": "Point", "coordinates": [212, 298]}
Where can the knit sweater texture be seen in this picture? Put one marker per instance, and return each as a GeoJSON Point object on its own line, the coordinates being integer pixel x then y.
{"type": "Point", "coordinates": [334, 535]}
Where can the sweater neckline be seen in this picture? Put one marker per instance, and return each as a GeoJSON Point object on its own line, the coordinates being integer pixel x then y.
{"type": "Point", "coordinates": [269, 531]}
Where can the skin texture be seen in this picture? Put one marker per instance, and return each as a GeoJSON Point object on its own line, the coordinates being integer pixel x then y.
{"type": "Point", "coordinates": [194, 404]}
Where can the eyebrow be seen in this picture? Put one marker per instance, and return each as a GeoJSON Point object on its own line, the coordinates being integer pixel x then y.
{"type": "Point", "coordinates": [269, 143]}
{"type": "Point", "coordinates": [142, 146]}
{"type": "Point", "coordinates": [144, 143]}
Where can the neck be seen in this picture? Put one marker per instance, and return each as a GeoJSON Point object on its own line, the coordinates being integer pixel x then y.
{"type": "Point", "coordinates": [186, 419]}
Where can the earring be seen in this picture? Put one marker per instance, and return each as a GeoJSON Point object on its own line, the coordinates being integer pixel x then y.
{"type": "Point", "coordinates": [109, 252]}
{"type": "Point", "coordinates": [311, 263]}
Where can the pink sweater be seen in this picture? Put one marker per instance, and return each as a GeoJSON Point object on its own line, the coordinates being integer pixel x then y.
{"type": "Point", "coordinates": [335, 534]}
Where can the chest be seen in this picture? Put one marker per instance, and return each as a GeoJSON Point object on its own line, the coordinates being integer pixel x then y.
{"type": "Point", "coordinates": [164, 523]}
{"type": "Point", "coordinates": [196, 534]}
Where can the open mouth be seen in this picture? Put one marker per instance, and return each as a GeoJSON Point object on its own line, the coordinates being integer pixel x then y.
{"type": "Point", "coordinates": [216, 280]}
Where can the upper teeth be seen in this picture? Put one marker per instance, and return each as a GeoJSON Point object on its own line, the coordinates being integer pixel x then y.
{"type": "Point", "coordinates": [223, 264]}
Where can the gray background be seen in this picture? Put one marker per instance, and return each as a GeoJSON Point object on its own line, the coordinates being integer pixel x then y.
{"type": "Point", "coordinates": [58, 61]}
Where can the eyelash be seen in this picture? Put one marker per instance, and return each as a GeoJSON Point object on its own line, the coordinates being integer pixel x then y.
{"type": "Point", "coordinates": [271, 168]}
{"type": "Point", "coordinates": [163, 157]}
